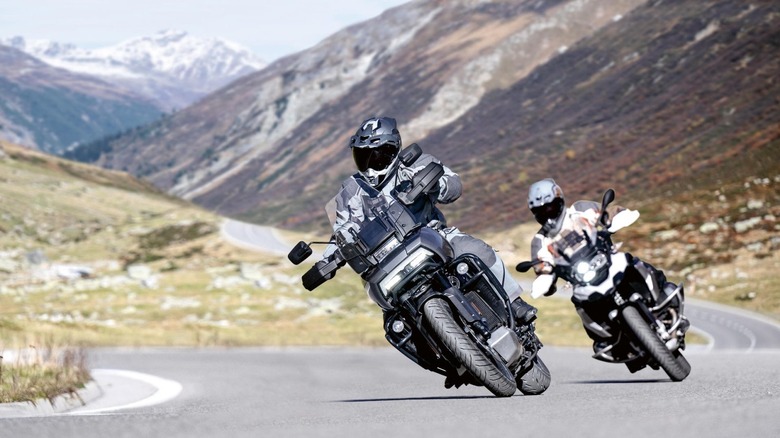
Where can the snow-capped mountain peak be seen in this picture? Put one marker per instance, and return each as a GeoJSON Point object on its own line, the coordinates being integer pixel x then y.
{"type": "Point", "coordinates": [181, 55]}
{"type": "Point", "coordinates": [170, 66]}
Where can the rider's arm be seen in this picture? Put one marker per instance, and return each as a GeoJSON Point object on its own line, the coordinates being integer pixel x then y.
{"type": "Point", "coordinates": [450, 187]}
{"type": "Point", "coordinates": [539, 252]}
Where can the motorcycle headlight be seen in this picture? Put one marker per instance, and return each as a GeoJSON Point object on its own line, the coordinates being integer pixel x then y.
{"type": "Point", "coordinates": [386, 249]}
{"type": "Point", "coordinates": [587, 270]}
{"type": "Point", "coordinates": [403, 270]}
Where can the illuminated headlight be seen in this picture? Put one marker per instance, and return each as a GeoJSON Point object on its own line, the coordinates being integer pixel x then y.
{"type": "Point", "coordinates": [586, 271]}
{"type": "Point", "coordinates": [462, 268]}
{"type": "Point", "coordinates": [386, 249]}
{"type": "Point", "coordinates": [400, 272]}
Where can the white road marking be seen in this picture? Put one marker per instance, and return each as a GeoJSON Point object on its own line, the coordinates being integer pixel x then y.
{"type": "Point", "coordinates": [166, 390]}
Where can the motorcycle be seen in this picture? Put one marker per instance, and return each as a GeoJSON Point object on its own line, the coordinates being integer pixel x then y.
{"type": "Point", "coordinates": [645, 324]}
{"type": "Point", "coordinates": [450, 315]}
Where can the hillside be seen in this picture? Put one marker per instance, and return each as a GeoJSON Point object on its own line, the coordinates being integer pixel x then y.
{"type": "Point", "coordinates": [271, 146]}
{"type": "Point", "coordinates": [673, 97]}
{"type": "Point", "coordinates": [52, 109]}
{"type": "Point", "coordinates": [650, 97]}
{"type": "Point", "coordinates": [96, 257]}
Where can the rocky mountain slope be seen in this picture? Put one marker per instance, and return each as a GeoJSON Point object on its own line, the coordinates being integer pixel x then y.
{"type": "Point", "coordinates": [51, 109]}
{"type": "Point", "coordinates": [171, 68]}
{"type": "Point", "coordinates": [646, 97]}
{"type": "Point", "coordinates": [274, 142]}
{"type": "Point", "coordinates": [673, 97]}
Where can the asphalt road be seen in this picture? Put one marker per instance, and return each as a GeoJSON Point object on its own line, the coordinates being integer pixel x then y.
{"type": "Point", "coordinates": [254, 237]}
{"type": "Point", "coordinates": [379, 393]}
{"type": "Point", "coordinates": [733, 390]}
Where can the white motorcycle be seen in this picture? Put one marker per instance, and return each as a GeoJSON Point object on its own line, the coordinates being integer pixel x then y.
{"type": "Point", "coordinates": [644, 325]}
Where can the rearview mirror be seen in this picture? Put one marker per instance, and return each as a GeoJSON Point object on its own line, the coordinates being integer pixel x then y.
{"type": "Point", "coordinates": [299, 253]}
{"type": "Point", "coordinates": [609, 196]}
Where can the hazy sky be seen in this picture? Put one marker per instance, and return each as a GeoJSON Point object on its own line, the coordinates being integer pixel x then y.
{"type": "Point", "coordinates": [270, 28]}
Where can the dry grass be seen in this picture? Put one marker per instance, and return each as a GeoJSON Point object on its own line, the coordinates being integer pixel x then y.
{"type": "Point", "coordinates": [42, 373]}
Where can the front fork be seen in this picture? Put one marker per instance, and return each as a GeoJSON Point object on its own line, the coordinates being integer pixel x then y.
{"type": "Point", "coordinates": [668, 336]}
{"type": "Point", "coordinates": [458, 300]}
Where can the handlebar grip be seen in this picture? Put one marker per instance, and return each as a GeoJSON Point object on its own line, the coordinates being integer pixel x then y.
{"type": "Point", "coordinates": [320, 273]}
{"type": "Point", "coordinates": [312, 279]}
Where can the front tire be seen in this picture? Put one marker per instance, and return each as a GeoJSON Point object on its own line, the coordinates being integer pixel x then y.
{"type": "Point", "coordinates": [493, 374]}
{"type": "Point", "coordinates": [536, 380]}
{"type": "Point", "coordinates": [645, 335]}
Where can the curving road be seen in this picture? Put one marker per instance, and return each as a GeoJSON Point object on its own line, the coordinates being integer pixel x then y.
{"type": "Point", "coordinates": [730, 328]}
{"type": "Point", "coordinates": [254, 237]}
{"type": "Point", "coordinates": [733, 390]}
{"type": "Point", "coordinates": [378, 392]}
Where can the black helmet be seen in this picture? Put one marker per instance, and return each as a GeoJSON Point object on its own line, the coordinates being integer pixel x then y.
{"type": "Point", "coordinates": [375, 148]}
{"type": "Point", "coordinates": [545, 199]}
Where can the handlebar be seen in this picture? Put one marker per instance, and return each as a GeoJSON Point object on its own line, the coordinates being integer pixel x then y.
{"type": "Point", "coordinates": [322, 271]}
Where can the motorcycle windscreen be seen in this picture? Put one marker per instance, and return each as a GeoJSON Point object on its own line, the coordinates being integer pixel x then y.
{"type": "Point", "coordinates": [330, 210]}
{"type": "Point", "coordinates": [360, 206]}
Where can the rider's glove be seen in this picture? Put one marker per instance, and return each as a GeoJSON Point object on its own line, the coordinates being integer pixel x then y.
{"type": "Point", "coordinates": [543, 268]}
{"type": "Point", "coordinates": [446, 196]}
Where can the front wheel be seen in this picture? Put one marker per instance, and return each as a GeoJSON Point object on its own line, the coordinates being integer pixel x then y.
{"type": "Point", "coordinates": [536, 380]}
{"type": "Point", "coordinates": [654, 346]}
{"type": "Point", "coordinates": [493, 374]}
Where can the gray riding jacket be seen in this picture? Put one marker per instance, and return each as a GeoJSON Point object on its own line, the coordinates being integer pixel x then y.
{"type": "Point", "coordinates": [348, 208]}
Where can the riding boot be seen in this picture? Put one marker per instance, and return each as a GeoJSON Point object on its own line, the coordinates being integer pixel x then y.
{"type": "Point", "coordinates": [524, 312]}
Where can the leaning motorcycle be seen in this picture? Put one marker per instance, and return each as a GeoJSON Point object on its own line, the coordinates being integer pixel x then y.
{"type": "Point", "coordinates": [448, 314]}
{"type": "Point", "coordinates": [646, 324]}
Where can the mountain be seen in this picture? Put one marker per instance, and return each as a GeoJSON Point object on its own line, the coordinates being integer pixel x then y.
{"type": "Point", "coordinates": [51, 109]}
{"type": "Point", "coordinates": [674, 97]}
{"type": "Point", "coordinates": [646, 97]}
{"type": "Point", "coordinates": [271, 145]}
{"type": "Point", "coordinates": [171, 67]}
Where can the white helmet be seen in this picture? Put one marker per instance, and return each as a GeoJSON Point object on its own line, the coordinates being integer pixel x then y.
{"type": "Point", "coordinates": [545, 199]}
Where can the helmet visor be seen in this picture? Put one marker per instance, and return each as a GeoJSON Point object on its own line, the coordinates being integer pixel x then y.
{"type": "Point", "coordinates": [550, 211]}
{"type": "Point", "coordinates": [377, 158]}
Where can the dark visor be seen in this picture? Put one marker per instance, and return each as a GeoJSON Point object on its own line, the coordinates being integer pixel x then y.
{"type": "Point", "coordinates": [377, 158]}
{"type": "Point", "coordinates": [548, 211]}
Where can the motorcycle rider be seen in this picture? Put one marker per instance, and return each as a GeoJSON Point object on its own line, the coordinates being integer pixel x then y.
{"type": "Point", "coordinates": [546, 201]}
{"type": "Point", "coordinates": [375, 149]}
